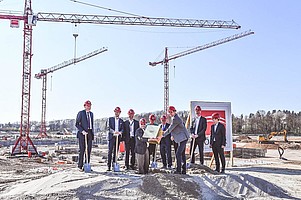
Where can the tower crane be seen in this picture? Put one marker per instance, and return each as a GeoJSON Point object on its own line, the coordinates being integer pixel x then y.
{"type": "Point", "coordinates": [166, 60]}
{"type": "Point", "coordinates": [23, 143]}
{"type": "Point", "coordinates": [43, 75]}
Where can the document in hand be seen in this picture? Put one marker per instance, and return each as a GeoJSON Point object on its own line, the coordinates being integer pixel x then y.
{"type": "Point", "coordinates": [151, 131]}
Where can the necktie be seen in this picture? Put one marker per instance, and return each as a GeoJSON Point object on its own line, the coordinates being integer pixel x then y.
{"type": "Point", "coordinates": [88, 116]}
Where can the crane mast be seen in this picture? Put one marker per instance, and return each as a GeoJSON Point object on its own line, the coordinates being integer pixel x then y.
{"type": "Point", "coordinates": [166, 60]}
{"type": "Point", "coordinates": [43, 75]}
{"type": "Point", "coordinates": [24, 142]}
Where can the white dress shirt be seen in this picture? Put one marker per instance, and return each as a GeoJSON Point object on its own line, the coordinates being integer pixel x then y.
{"type": "Point", "coordinates": [90, 120]}
{"type": "Point", "coordinates": [197, 120]}
{"type": "Point", "coordinates": [116, 124]}
{"type": "Point", "coordinates": [131, 128]}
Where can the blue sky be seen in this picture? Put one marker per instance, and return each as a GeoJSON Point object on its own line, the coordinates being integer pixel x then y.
{"type": "Point", "coordinates": [258, 72]}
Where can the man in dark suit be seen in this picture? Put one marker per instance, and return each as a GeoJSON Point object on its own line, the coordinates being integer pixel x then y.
{"type": "Point", "coordinates": [218, 142]}
{"type": "Point", "coordinates": [115, 130]}
{"type": "Point", "coordinates": [165, 144]}
{"type": "Point", "coordinates": [128, 136]}
{"type": "Point", "coordinates": [84, 124]}
{"type": "Point", "coordinates": [180, 135]}
{"type": "Point", "coordinates": [197, 129]}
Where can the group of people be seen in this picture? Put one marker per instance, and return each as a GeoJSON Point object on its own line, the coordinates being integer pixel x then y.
{"type": "Point", "coordinates": [140, 150]}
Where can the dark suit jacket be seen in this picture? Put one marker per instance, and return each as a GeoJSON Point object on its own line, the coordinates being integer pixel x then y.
{"type": "Point", "coordinates": [82, 123]}
{"type": "Point", "coordinates": [111, 127]}
{"type": "Point", "coordinates": [126, 130]}
{"type": "Point", "coordinates": [167, 137]}
{"type": "Point", "coordinates": [219, 135]}
{"type": "Point", "coordinates": [177, 129]}
{"type": "Point", "coordinates": [201, 128]}
{"type": "Point", "coordinates": [141, 143]}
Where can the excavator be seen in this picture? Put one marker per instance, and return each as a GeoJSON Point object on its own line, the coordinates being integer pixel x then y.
{"type": "Point", "coordinates": [264, 139]}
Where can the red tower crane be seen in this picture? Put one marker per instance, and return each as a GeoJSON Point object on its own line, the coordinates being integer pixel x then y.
{"type": "Point", "coordinates": [166, 60]}
{"type": "Point", "coordinates": [24, 142]}
{"type": "Point", "coordinates": [43, 75]}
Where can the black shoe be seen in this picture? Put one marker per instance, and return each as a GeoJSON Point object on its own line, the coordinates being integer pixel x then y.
{"type": "Point", "coordinates": [183, 172]}
{"type": "Point", "coordinates": [164, 167]}
{"type": "Point", "coordinates": [132, 167]}
{"type": "Point", "coordinates": [109, 169]}
{"type": "Point", "coordinates": [81, 169]}
{"type": "Point", "coordinates": [217, 170]}
{"type": "Point", "coordinates": [223, 171]}
{"type": "Point", "coordinates": [127, 168]}
{"type": "Point", "coordinates": [176, 172]}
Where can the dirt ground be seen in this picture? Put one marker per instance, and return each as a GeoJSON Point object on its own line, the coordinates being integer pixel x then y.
{"type": "Point", "coordinates": [256, 178]}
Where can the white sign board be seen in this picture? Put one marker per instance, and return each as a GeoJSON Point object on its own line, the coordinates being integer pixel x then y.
{"type": "Point", "coordinates": [208, 108]}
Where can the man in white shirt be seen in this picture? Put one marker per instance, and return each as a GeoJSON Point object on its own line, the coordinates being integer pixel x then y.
{"type": "Point", "coordinates": [197, 131]}
{"type": "Point", "coordinates": [128, 136]}
{"type": "Point", "coordinates": [115, 130]}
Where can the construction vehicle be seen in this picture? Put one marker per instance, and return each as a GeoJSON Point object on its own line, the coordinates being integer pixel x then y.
{"type": "Point", "coordinates": [267, 139]}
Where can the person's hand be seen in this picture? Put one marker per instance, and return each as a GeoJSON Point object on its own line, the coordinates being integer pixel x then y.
{"type": "Point", "coordinates": [223, 146]}
{"type": "Point", "coordinates": [172, 138]}
{"type": "Point", "coordinates": [159, 137]}
{"type": "Point", "coordinates": [84, 132]}
{"type": "Point", "coordinates": [116, 133]}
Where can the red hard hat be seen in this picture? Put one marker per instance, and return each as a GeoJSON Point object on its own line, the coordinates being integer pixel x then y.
{"type": "Point", "coordinates": [197, 108]}
{"type": "Point", "coordinates": [142, 121]}
{"type": "Point", "coordinates": [117, 109]}
{"type": "Point", "coordinates": [215, 116]}
{"type": "Point", "coordinates": [131, 112]}
{"type": "Point", "coordinates": [87, 103]}
{"type": "Point", "coordinates": [163, 117]}
{"type": "Point", "coordinates": [172, 108]}
{"type": "Point", "coordinates": [152, 117]}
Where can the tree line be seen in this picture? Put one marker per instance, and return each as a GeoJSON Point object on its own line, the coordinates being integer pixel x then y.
{"type": "Point", "coordinates": [263, 122]}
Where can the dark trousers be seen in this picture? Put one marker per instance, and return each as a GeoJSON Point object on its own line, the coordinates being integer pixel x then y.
{"type": "Point", "coordinates": [199, 143]}
{"type": "Point", "coordinates": [152, 150]}
{"type": "Point", "coordinates": [218, 153]}
{"type": "Point", "coordinates": [165, 151]}
{"type": "Point", "coordinates": [112, 150]}
{"type": "Point", "coordinates": [130, 149]}
{"type": "Point", "coordinates": [180, 155]}
{"type": "Point", "coordinates": [82, 148]}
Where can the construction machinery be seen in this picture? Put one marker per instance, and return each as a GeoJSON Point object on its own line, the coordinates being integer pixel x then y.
{"type": "Point", "coordinates": [166, 60]}
{"type": "Point", "coordinates": [43, 75]}
{"type": "Point", "coordinates": [24, 144]}
{"type": "Point", "coordinates": [267, 139]}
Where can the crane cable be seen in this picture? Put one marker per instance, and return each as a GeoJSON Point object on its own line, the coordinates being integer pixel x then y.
{"type": "Point", "coordinates": [109, 9]}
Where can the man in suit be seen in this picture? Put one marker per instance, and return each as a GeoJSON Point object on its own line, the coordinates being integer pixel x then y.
{"type": "Point", "coordinates": [165, 144]}
{"type": "Point", "coordinates": [84, 124]}
{"type": "Point", "coordinates": [115, 130]}
{"type": "Point", "coordinates": [197, 129]}
{"type": "Point", "coordinates": [180, 135]}
{"type": "Point", "coordinates": [128, 136]}
{"type": "Point", "coordinates": [218, 142]}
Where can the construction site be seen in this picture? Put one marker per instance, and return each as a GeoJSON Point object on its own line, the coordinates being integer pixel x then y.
{"type": "Point", "coordinates": [259, 171]}
{"type": "Point", "coordinates": [40, 161]}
